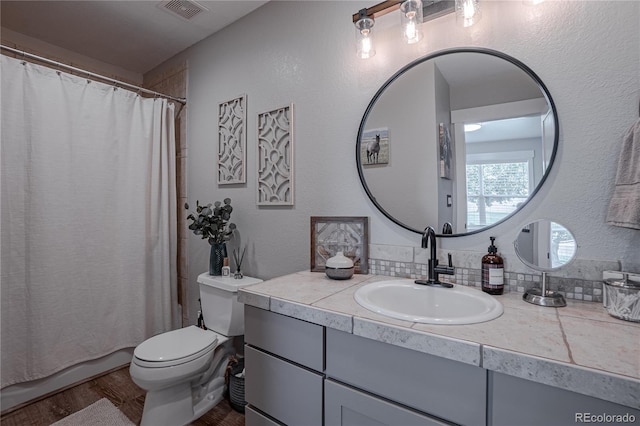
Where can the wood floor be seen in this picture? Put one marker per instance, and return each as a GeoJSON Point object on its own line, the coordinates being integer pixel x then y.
{"type": "Point", "coordinates": [118, 388]}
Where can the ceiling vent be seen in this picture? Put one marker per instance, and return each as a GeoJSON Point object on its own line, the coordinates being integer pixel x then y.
{"type": "Point", "coordinates": [185, 9]}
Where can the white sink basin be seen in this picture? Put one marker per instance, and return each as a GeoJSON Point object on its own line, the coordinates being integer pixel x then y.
{"type": "Point", "coordinates": [406, 300]}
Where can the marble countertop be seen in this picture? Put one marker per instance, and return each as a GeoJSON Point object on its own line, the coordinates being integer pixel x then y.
{"type": "Point", "coordinates": [579, 348]}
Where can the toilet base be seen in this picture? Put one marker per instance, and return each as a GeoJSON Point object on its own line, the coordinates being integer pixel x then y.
{"type": "Point", "coordinates": [176, 406]}
{"type": "Point", "coordinates": [183, 403]}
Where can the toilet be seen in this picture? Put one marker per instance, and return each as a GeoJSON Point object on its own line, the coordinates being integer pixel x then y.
{"type": "Point", "coordinates": [183, 370]}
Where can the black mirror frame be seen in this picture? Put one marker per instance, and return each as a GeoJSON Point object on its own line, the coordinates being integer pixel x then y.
{"type": "Point", "coordinates": [418, 61]}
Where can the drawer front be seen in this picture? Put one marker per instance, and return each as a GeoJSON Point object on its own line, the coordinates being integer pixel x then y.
{"type": "Point", "coordinates": [345, 406]}
{"type": "Point", "coordinates": [296, 340]}
{"type": "Point", "coordinates": [253, 418]}
{"type": "Point", "coordinates": [443, 388]}
{"type": "Point", "coordinates": [518, 401]}
{"type": "Point", "coordinates": [286, 392]}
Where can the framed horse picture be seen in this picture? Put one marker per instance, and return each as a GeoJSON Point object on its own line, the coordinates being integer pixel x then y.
{"type": "Point", "coordinates": [375, 147]}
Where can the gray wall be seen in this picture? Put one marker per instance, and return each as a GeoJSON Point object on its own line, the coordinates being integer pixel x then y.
{"type": "Point", "coordinates": [587, 53]}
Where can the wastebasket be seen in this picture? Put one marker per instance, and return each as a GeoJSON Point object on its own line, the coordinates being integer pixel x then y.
{"type": "Point", "coordinates": [235, 380]}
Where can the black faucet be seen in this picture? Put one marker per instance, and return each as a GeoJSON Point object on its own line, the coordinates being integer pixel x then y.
{"type": "Point", "coordinates": [429, 240]}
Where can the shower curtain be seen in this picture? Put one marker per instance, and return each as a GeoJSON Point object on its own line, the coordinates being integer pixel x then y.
{"type": "Point", "coordinates": [87, 220]}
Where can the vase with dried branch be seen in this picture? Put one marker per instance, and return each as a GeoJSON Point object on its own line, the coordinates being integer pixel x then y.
{"type": "Point", "coordinates": [238, 258]}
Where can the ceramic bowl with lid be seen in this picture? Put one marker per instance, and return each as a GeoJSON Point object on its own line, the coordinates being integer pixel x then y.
{"type": "Point", "coordinates": [339, 267]}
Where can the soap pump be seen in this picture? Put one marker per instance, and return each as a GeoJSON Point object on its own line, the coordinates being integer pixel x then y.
{"type": "Point", "coordinates": [492, 271]}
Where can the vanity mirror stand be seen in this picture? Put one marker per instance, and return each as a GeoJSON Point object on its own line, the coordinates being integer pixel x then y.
{"type": "Point", "coordinates": [545, 246]}
{"type": "Point", "coordinates": [544, 297]}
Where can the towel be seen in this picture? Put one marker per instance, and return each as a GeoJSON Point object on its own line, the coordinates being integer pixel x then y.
{"type": "Point", "coordinates": [624, 208]}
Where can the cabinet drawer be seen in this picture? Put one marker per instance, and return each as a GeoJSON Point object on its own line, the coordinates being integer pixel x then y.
{"type": "Point", "coordinates": [296, 340]}
{"type": "Point", "coordinates": [286, 392]}
{"type": "Point", "coordinates": [345, 406]}
{"type": "Point", "coordinates": [523, 402]}
{"type": "Point", "coordinates": [253, 418]}
{"type": "Point", "coordinates": [440, 387]}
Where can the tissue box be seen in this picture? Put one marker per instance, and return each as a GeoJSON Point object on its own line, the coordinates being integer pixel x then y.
{"type": "Point", "coordinates": [621, 295]}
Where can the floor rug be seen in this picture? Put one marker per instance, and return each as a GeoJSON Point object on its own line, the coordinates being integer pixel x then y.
{"type": "Point", "coordinates": [102, 412]}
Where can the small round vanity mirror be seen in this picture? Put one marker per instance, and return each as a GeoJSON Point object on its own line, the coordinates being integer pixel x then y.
{"type": "Point", "coordinates": [545, 246]}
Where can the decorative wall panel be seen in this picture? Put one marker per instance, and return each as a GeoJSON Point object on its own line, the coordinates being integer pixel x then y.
{"type": "Point", "coordinates": [275, 157]}
{"type": "Point", "coordinates": [232, 141]}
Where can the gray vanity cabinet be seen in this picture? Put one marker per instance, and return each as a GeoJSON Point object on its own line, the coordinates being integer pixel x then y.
{"type": "Point", "coordinates": [284, 359]}
{"type": "Point", "coordinates": [300, 373]}
{"type": "Point", "coordinates": [448, 390]}
{"type": "Point", "coordinates": [516, 401]}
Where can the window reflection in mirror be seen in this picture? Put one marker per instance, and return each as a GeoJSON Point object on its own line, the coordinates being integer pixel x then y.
{"type": "Point", "coordinates": [501, 157]}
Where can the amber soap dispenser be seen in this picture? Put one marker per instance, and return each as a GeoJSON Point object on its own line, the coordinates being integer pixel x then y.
{"type": "Point", "coordinates": [492, 271]}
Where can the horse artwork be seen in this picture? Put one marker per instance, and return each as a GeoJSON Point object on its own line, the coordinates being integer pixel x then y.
{"type": "Point", "coordinates": [373, 150]}
{"type": "Point", "coordinates": [374, 147]}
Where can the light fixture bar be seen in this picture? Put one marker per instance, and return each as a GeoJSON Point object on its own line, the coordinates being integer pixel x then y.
{"type": "Point", "coordinates": [412, 14]}
{"type": "Point", "coordinates": [431, 9]}
{"type": "Point", "coordinates": [435, 9]}
{"type": "Point", "coordinates": [379, 9]}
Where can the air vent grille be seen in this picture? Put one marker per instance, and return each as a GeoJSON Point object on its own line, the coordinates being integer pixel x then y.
{"type": "Point", "coordinates": [184, 8]}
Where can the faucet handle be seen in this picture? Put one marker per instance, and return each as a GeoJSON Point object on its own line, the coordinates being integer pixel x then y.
{"type": "Point", "coordinates": [447, 270]}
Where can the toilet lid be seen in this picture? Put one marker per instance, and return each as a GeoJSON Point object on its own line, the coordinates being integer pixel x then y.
{"type": "Point", "coordinates": [176, 344]}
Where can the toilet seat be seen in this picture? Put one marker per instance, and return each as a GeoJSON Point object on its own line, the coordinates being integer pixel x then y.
{"type": "Point", "coordinates": [175, 347]}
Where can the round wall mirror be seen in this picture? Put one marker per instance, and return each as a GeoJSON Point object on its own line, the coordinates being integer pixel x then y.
{"type": "Point", "coordinates": [545, 246]}
{"type": "Point", "coordinates": [459, 140]}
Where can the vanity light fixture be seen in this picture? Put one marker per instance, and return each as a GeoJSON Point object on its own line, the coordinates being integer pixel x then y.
{"type": "Point", "coordinates": [412, 14]}
{"type": "Point", "coordinates": [410, 18]}
{"type": "Point", "coordinates": [467, 12]}
{"type": "Point", "coordinates": [364, 35]}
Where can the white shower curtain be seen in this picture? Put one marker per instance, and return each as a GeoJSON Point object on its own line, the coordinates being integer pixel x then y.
{"type": "Point", "coordinates": [87, 220]}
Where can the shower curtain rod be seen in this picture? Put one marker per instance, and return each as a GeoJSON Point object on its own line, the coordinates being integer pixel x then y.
{"type": "Point", "coordinates": [182, 101]}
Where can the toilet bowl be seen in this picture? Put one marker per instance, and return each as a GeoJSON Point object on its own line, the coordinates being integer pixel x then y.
{"type": "Point", "coordinates": [183, 370]}
{"type": "Point", "coordinates": [174, 356]}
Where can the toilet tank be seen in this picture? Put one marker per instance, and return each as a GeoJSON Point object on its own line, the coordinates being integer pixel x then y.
{"type": "Point", "coordinates": [220, 307]}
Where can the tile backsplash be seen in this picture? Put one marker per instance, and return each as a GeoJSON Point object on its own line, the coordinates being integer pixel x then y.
{"type": "Point", "coordinates": [580, 280]}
